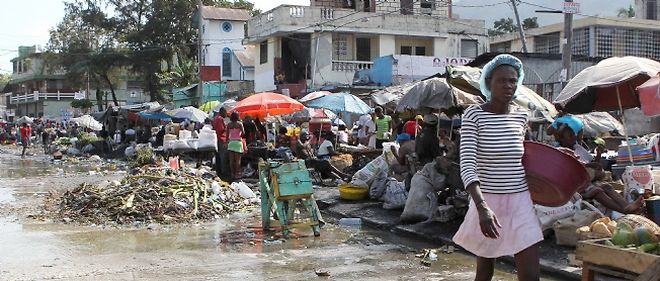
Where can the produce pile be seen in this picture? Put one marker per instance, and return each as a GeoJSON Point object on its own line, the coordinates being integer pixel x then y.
{"type": "Point", "coordinates": [632, 232]}
{"type": "Point", "coordinates": [156, 195]}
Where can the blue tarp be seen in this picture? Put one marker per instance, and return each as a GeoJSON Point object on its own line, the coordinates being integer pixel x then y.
{"type": "Point", "coordinates": [155, 116]}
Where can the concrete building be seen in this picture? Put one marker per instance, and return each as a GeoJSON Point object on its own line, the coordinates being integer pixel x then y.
{"type": "Point", "coordinates": [647, 9]}
{"type": "Point", "coordinates": [223, 31]}
{"type": "Point", "coordinates": [592, 37]}
{"type": "Point", "coordinates": [299, 47]}
{"type": "Point", "coordinates": [39, 87]}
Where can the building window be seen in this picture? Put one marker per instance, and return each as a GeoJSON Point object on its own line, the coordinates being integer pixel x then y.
{"type": "Point", "coordinates": [547, 43]}
{"type": "Point", "coordinates": [469, 48]}
{"type": "Point", "coordinates": [406, 50]}
{"type": "Point", "coordinates": [263, 52]}
{"type": "Point", "coordinates": [340, 47]}
{"type": "Point", "coordinates": [363, 49]}
{"type": "Point", "coordinates": [226, 62]}
{"type": "Point", "coordinates": [581, 42]}
{"type": "Point", "coordinates": [420, 51]}
{"type": "Point", "coordinates": [651, 10]}
{"type": "Point", "coordinates": [226, 26]}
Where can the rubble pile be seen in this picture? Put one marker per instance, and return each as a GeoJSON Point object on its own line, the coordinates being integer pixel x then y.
{"type": "Point", "coordinates": [157, 195]}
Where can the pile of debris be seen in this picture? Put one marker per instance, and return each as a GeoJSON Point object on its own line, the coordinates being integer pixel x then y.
{"type": "Point", "coordinates": [159, 195]}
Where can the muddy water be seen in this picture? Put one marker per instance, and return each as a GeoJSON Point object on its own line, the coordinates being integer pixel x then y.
{"type": "Point", "coordinates": [233, 248]}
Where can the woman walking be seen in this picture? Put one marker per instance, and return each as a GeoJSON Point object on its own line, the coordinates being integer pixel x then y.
{"type": "Point", "coordinates": [500, 220]}
{"type": "Point", "coordinates": [235, 133]}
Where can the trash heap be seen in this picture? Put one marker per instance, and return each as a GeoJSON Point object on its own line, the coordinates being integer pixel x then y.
{"type": "Point", "coordinates": [159, 195]}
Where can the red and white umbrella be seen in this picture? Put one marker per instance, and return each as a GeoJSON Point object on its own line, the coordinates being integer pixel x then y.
{"type": "Point", "coordinates": [314, 95]}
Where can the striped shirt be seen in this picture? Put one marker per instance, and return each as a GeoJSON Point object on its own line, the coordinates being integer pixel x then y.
{"type": "Point", "coordinates": [492, 149]}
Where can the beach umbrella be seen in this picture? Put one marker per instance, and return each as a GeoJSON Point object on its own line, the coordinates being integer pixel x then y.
{"type": "Point", "coordinates": [649, 96]}
{"type": "Point", "coordinates": [607, 86]}
{"type": "Point", "coordinates": [87, 121]}
{"type": "Point", "coordinates": [435, 93]}
{"type": "Point", "coordinates": [314, 95]}
{"type": "Point", "coordinates": [341, 102]}
{"type": "Point", "coordinates": [24, 119]}
{"type": "Point", "coordinates": [267, 104]}
{"type": "Point", "coordinates": [189, 113]}
{"type": "Point", "coordinates": [228, 104]}
{"type": "Point", "coordinates": [209, 105]}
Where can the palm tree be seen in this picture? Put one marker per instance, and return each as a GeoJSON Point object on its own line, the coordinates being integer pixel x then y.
{"type": "Point", "coordinates": [626, 13]}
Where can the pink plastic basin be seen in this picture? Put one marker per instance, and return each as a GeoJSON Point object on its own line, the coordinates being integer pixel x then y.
{"type": "Point", "coordinates": [552, 175]}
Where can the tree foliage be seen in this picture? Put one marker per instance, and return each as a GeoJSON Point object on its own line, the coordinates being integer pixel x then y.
{"type": "Point", "coordinates": [507, 25]}
{"type": "Point", "coordinates": [82, 104]}
{"type": "Point", "coordinates": [102, 37]}
{"type": "Point", "coordinates": [626, 13]}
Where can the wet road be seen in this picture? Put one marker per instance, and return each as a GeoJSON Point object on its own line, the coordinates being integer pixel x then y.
{"type": "Point", "coordinates": [229, 249]}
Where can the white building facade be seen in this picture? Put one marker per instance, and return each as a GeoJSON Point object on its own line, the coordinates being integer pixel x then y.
{"type": "Point", "coordinates": [223, 31]}
{"type": "Point", "coordinates": [327, 42]}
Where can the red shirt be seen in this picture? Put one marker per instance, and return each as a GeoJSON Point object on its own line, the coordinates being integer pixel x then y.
{"type": "Point", "coordinates": [410, 127]}
{"type": "Point", "coordinates": [219, 126]}
{"type": "Point", "coordinates": [25, 133]}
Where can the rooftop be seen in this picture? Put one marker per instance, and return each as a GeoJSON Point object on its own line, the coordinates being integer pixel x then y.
{"type": "Point", "coordinates": [217, 13]}
{"type": "Point", "coordinates": [246, 56]}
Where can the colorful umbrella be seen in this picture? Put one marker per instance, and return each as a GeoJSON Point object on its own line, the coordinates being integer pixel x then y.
{"type": "Point", "coordinates": [649, 96]}
{"type": "Point", "coordinates": [608, 85]}
{"type": "Point", "coordinates": [341, 102]}
{"type": "Point", "coordinates": [267, 104]}
{"type": "Point", "coordinates": [314, 95]}
{"type": "Point", "coordinates": [189, 113]}
{"type": "Point", "coordinates": [209, 105]}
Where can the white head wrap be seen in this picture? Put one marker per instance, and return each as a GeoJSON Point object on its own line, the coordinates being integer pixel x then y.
{"type": "Point", "coordinates": [494, 63]}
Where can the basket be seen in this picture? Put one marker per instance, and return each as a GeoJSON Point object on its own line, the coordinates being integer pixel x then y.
{"type": "Point", "coordinates": [591, 235]}
{"type": "Point", "coordinates": [353, 192]}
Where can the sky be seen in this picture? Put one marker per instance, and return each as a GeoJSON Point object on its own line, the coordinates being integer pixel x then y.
{"type": "Point", "coordinates": [27, 22]}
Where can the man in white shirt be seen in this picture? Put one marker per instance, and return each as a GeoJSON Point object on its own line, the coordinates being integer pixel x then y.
{"type": "Point", "coordinates": [362, 136]}
{"type": "Point", "coordinates": [370, 133]}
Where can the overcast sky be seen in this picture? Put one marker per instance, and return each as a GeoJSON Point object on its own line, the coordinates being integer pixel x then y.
{"type": "Point", "coordinates": [26, 22]}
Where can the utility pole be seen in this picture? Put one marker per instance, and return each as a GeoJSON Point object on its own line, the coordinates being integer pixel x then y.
{"type": "Point", "coordinates": [567, 47]}
{"type": "Point", "coordinates": [200, 53]}
{"type": "Point", "coordinates": [520, 28]}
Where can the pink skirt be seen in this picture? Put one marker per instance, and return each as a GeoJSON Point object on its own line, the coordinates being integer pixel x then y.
{"type": "Point", "coordinates": [520, 226]}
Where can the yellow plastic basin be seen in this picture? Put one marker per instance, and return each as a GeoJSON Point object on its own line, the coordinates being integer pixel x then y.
{"type": "Point", "coordinates": [353, 192]}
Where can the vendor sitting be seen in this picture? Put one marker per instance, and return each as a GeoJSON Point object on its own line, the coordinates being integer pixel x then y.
{"type": "Point", "coordinates": [406, 148]}
{"type": "Point", "coordinates": [327, 147]}
{"type": "Point", "coordinates": [304, 151]}
{"type": "Point", "coordinates": [568, 129]}
{"type": "Point", "coordinates": [283, 140]}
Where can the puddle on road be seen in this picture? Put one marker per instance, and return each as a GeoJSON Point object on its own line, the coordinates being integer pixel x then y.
{"type": "Point", "coordinates": [12, 168]}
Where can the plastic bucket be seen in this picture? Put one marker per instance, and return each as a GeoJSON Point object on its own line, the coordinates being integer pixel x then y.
{"type": "Point", "coordinates": [653, 210]}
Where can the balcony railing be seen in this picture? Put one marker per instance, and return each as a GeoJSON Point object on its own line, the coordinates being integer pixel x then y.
{"type": "Point", "coordinates": [23, 98]}
{"type": "Point", "coordinates": [350, 66]}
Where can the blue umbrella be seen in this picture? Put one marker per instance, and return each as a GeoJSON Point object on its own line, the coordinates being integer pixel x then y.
{"type": "Point", "coordinates": [341, 102]}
